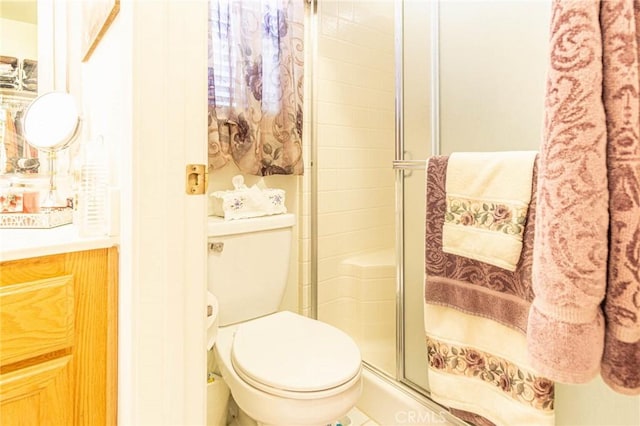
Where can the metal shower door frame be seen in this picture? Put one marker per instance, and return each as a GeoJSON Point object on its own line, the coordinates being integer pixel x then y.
{"type": "Point", "coordinates": [402, 166]}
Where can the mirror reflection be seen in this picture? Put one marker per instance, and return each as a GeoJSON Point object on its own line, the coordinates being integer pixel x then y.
{"type": "Point", "coordinates": [18, 84]}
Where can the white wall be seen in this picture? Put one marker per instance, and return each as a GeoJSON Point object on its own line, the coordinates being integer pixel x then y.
{"type": "Point", "coordinates": [595, 404]}
{"type": "Point", "coordinates": [18, 39]}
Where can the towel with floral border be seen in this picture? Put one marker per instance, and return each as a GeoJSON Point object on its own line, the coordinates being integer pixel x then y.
{"type": "Point", "coordinates": [475, 324]}
{"type": "Point", "coordinates": [488, 194]}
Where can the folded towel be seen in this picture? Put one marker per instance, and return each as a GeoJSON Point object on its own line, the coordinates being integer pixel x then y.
{"type": "Point", "coordinates": [587, 244]}
{"type": "Point", "coordinates": [475, 324]}
{"type": "Point", "coordinates": [488, 194]}
{"type": "Point", "coordinates": [469, 285]}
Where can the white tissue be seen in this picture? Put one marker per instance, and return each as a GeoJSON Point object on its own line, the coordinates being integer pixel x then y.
{"type": "Point", "coordinates": [243, 202]}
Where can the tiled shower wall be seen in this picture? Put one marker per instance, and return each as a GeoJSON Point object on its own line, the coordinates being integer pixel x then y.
{"type": "Point", "coordinates": [354, 113]}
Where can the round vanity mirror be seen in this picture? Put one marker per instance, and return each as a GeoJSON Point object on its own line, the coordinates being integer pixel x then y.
{"type": "Point", "coordinates": [51, 122]}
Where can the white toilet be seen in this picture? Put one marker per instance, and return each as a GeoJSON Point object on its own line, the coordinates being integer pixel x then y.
{"type": "Point", "coordinates": [282, 368]}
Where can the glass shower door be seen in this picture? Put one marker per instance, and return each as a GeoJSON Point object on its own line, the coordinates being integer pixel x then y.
{"type": "Point", "coordinates": [354, 103]}
{"type": "Point", "coordinates": [412, 150]}
{"type": "Point", "coordinates": [467, 87]}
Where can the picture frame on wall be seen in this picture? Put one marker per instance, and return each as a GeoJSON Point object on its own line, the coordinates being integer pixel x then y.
{"type": "Point", "coordinates": [97, 16]}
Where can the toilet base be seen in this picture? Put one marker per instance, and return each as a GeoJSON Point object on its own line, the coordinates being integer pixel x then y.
{"type": "Point", "coordinates": [290, 412]}
{"type": "Point", "coordinates": [243, 419]}
{"type": "Point", "coordinates": [238, 417]}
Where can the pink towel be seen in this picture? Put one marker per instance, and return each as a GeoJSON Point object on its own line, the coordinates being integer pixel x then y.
{"type": "Point", "coordinates": [587, 243]}
{"type": "Point", "coordinates": [621, 48]}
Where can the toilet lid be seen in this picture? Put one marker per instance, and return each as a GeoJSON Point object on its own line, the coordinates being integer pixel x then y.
{"type": "Point", "coordinates": [286, 351]}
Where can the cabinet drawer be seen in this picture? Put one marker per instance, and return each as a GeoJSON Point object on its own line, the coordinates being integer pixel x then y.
{"type": "Point", "coordinates": [36, 318]}
{"type": "Point", "coordinates": [38, 395]}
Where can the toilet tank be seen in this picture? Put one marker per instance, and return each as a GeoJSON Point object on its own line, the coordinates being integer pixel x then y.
{"type": "Point", "coordinates": [248, 264]}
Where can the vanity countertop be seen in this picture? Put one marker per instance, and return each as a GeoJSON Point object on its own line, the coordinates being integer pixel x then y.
{"type": "Point", "coordinates": [24, 243]}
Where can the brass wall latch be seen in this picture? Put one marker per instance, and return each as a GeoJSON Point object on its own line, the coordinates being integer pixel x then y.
{"type": "Point", "coordinates": [216, 247]}
{"type": "Point", "coordinates": [197, 179]}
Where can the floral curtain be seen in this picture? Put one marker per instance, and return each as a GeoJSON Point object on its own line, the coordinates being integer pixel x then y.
{"type": "Point", "coordinates": [256, 85]}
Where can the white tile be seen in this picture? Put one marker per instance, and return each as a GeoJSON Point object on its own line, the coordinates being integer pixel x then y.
{"type": "Point", "coordinates": [329, 26]}
{"type": "Point", "coordinates": [357, 417]}
{"type": "Point", "coordinates": [345, 10]}
{"type": "Point", "coordinates": [327, 267]}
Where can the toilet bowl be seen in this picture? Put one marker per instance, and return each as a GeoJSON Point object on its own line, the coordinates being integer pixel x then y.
{"type": "Point", "coordinates": [286, 369]}
{"type": "Point", "coordinates": [282, 368]}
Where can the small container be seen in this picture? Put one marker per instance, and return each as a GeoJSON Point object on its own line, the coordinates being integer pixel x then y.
{"type": "Point", "coordinates": [30, 201]}
{"type": "Point", "coordinates": [11, 200]}
{"type": "Point", "coordinates": [32, 186]}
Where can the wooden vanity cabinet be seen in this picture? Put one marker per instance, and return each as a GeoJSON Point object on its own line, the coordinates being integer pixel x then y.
{"type": "Point", "coordinates": [58, 339]}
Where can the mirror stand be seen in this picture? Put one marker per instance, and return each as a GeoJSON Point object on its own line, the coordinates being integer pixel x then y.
{"type": "Point", "coordinates": [51, 199]}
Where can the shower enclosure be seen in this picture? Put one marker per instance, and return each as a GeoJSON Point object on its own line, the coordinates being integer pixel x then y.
{"type": "Point", "coordinates": [393, 83]}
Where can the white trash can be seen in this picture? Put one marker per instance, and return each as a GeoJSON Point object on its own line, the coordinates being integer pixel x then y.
{"type": "Point", "coordinates": [217, 401]}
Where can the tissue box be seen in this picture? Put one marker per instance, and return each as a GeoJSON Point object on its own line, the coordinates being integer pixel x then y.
{"type": "Point", "coordinates": [243, 202]}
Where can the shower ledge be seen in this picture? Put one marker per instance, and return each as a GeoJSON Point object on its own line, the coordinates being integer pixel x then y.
{"type": "Point", "coordinates": [374, 264]}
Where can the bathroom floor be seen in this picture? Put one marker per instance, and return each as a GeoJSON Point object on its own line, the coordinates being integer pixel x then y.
{"type": "Point", "coordinates": [358, 418]}
{"type": "Point", "coordinates": [354, 417]}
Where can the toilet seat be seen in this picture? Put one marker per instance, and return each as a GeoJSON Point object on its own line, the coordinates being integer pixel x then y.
{"type": "Point", "coordinates": [294, 356]}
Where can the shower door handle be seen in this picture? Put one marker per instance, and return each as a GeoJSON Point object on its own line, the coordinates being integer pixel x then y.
{"type": "Point", "coordinates": [409, 164]}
